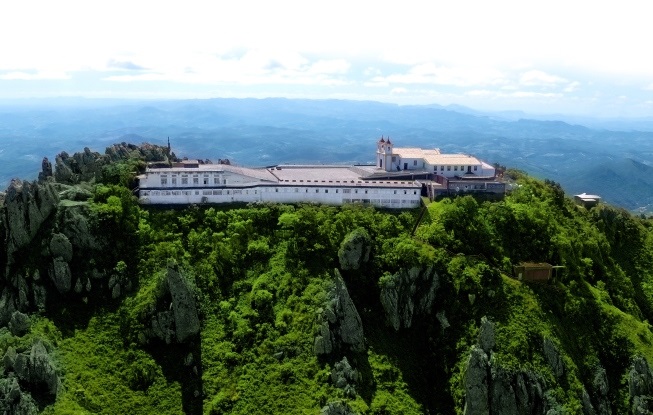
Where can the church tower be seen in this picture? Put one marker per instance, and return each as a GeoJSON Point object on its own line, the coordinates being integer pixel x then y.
{"type": "Point", "coordinates": [384, 154]}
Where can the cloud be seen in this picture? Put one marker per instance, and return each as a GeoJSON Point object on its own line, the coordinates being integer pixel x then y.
{"type": "Point", "coordinates": [34, 75]}
{"type": "Point", "coordinates": [124, 65]}
{"type": "Point", "coordinates": [251, 68]}
{"type": "Point", "coordinates": [540, 78]}
{"type": "Point", "coordinates": [398, 91]}
{"type": "Point", "coordinates": [433, 74]}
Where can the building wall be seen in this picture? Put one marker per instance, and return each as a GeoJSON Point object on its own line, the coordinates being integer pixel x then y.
{"type": "Point", "coordinates": [382, 197]}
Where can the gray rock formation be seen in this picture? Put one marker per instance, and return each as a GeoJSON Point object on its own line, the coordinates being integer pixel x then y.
{"type": "Point", "coordinates": [476, 383]}
{"type": "Point", "coordinates": [492, 389]}
{"type": "Point", "coordinates": [82, 166]}
{"type": "Point", "coordinates": [34, 368]}
{"type": "Point", "coordinates": [19, 324]}
{"type": "Point", "coordinates": [46, 170]}
{"type": "Point", "coordinates": [355, 249]}
{"type": "Point", "coordinates": [340, 323]}
{"type": "Point", "coordinates": [337, 408]}
{"type": "Point", "coordinates": [407, 294]}
{"type": "Point", "coordinates": [27, 206]}
{"type": "Point", "coordinates": [640, 386]}
{"type": "Point", "coordinates": [553, 357]}
{"type": "Point", "coordinates": [187, 322]}
{"type": "Point", "coordinates": [60, 247]}
{"type": "Point", "coordinates": [13, 400]}
{"type": "Point", "coordinates": [486, 335]}
{"type": "Point", "coordinates": [345, 377]}
{"type": "Point", "coordinates": [59, 272]}
{"type": "Point", "coordinates": [177, 319]}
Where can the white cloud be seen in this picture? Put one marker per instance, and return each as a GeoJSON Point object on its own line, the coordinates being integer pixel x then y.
{"type": "Point", "coordinates": [33, 76]}
{"type": "Point", "coordinates": [398, 91]}
{"type": "Point", "coordinates": [540, 78]}
{"type": "Point", "coordinates": [430, 73]}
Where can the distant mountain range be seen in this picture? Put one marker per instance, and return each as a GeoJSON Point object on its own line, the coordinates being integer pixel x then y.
{"type": "Point", "coordinates": [612, 158]}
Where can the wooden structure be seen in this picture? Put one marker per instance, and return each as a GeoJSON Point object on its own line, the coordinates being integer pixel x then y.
{"type": "Point", "coordinates": [533, 271]}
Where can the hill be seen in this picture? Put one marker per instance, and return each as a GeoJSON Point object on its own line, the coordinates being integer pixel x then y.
{"type": "Point", "coordinates": [108, 307]}
{"type": "Point", "coordinates": [271, 131]}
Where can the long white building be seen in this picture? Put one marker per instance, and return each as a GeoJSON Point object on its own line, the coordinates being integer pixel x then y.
{"type": "Point", "coordinates": [192, 182]}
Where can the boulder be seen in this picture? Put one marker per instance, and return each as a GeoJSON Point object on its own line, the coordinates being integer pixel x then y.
{"type": "Point", "coordinates": [407, 294]}
{"type": "Point", "coordinates": [42, 369]}
{"type": "Point", "coordinates": [184, 308]}
{"type": "Point", "coordinates": [59, 272]}
{"type": "Point", "coordinates": [355, 249]}
{"type": "Point", "coordinates": [60, 247]}
{"type": "Point", "coordinates": [486, 335]}
{"type": "Point", "coordinates": [19, 324]}
{"type": "Point", "coordinates": [340, 323]}
{"type": "Point", "coordinates": [337, 408]}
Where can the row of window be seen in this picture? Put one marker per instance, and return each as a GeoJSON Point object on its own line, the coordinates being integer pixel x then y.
{"type": "Point", "coordinates": [455, 168]}
{"type": "Point", "coordinates": [196, 180]}
{"type": "Point", "coordinates": [219, 192]}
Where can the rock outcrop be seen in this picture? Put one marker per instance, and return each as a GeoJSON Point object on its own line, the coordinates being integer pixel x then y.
{"type": "Point", "coordinates": [337, 408]}
{"type": "Point", "coordinates": [46, 170]}
{"type": "Point", "coordinates": [340, 323]}
{"type": "Point", "coordinates": [407, 294]}
{"type": "Point", "coordinates": [355, 249]}
{"type": "Point", "coordinates": [640, 386]}
{"type": "Point", "coordinates": [493, 389]}
{"type": "Point", "coordinates": [35, 371]}
{"type": "Point", "coordinates": [177, 319]}
{"type": "Point", "coordinates": [345, 377]}
{"type": "Point", "coordinates": [27, 206]}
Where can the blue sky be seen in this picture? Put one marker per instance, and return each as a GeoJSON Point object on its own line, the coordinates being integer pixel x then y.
{"type": "Point", "coordinates": [572, 57]}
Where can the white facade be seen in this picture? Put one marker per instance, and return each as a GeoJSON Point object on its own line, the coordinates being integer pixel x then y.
{"type": "Point", "coordinates": [390, 159]}
{"type": "Point", "coordinates": [192, 182]}
{"type": "Point", "coordinates": [333, 185]}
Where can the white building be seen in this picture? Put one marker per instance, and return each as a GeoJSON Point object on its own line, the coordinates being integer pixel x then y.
{"type": "Point", "coordinates": [394, 186]}
{"type": "Point", "coordinates": [391, 158]}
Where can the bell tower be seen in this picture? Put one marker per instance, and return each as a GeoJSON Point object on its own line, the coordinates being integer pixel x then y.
{"type": "Point", "coordinates": [384, 154]}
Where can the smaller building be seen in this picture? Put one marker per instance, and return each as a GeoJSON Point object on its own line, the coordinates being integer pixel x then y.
{"type": "Point", "coordinates": [586, 200]}
{"type": "Point", "coordinates": [533, 271]}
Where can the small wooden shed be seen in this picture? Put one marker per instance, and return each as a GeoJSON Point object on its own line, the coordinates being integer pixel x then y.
{"type": "Point", "coordinates": [533, 271]}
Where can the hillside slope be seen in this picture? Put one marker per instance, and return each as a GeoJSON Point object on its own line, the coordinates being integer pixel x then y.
{"type": "Point", "coordinates": [109, 308]}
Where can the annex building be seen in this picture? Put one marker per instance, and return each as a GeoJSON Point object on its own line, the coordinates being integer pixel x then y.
{"type": "Point", "coordinates": [398, 180]}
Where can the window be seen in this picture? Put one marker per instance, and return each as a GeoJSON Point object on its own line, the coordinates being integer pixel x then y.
{"type": "Point", "coordinates": [394, 159]}
{"type": "Point", "coordinates": [164, 181]}
{"type": "Point", "coordinates": [475, 168]}
{"type": "Point", "coordinates": [326, 190]}
{"type": "Point", "coordinates": [184, 180]}
{"type": "Point", "coordinates": [196, 180]}
{"type": "Point", "coordinates": [414, 162]}
{"type": "Point", "coordinates": [462, 168]}
{"type": "Point", "coordinates": [174, 180]}
{"type": "Point", "coordinates": [346, 190]}
{"type": "Point", "coordinates": [216, 180]}
{"type": "Point", "coordinates": [448, 168]}
{"type": "Point", "coordinates": [206, 180]}
{"type": "Point", "coordinates": [455, 168]}
{"type": "Point", "coordinates": [435, 168]}
{"type": "Point", "coordinates": [441, 168]}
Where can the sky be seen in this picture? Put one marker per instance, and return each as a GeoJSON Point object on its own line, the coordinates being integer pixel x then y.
{"type": "Point", "coordinates": [576, 57]}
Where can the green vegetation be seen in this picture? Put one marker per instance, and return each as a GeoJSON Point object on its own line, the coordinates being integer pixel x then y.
{"type": "Point", "coordinates": [261, 276]}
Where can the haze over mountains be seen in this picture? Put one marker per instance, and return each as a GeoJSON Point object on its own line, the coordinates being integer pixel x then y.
{"type": "Point", "coordinates": [613, 158]}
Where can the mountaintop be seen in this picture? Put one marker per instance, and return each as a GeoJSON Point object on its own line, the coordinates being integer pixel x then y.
{"type": "Point", "coordinates": [108, 307]}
